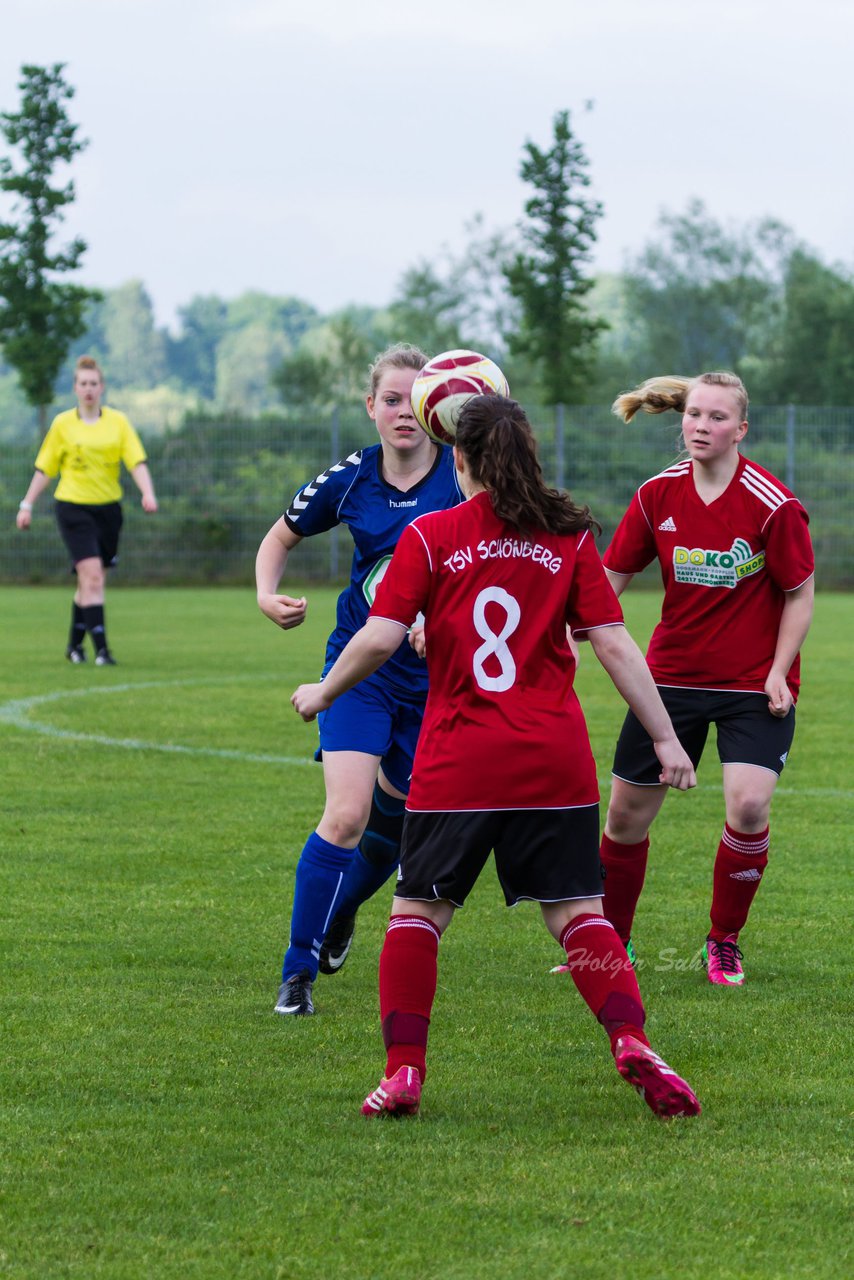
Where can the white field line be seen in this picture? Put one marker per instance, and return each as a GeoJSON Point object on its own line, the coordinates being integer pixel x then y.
{"type": "Point", "coordinates": [17, 713]}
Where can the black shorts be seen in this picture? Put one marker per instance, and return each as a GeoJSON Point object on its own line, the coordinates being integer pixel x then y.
{"type": "Point", "coordinates": [747, 732]}
{"type": "Point", "coordinates": [90, 531]}
{"type": "Point", "coordinates": [545, 855]}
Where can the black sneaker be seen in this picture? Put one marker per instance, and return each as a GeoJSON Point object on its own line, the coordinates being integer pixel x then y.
{"type": "Point", "coordinates": [337, 943]}
{"type": "Point", "coordinates": [75, 655]}
{"type": "Point", "coordinates": [103, 658]}
{"type": "Point", "coordinates": [295, 995]}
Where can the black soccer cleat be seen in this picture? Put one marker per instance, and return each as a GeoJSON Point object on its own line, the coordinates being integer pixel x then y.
{"type": "Point", "coordinates": [337, 943]}
{"type": "Point", "coordinates": [103, 658]}
{"type": "Point", "coordinates": [75, 655]}
{"type": "Point", "coordinates": [295, 995]}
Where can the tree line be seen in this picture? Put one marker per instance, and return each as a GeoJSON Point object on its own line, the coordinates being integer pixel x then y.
{"type": "Point", "coordinates": [700, 294]}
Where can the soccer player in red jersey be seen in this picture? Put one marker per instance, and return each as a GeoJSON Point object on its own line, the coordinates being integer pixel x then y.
{"type": "Point", "coordinates": [737, 566]}
{"type": "Point", "coordinates": [503, 761]}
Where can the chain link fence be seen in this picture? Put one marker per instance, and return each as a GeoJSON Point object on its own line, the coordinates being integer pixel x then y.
{"type": "Point", "coordinates": [222, 484]}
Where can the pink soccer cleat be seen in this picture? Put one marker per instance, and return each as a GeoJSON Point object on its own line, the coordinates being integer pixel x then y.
{"type": "Point", "coordinates": [723, 961]}
{"type": "Point", "coordinates": [398, 1096]}
{"type": "Point", "coordinates": [663, 1091]}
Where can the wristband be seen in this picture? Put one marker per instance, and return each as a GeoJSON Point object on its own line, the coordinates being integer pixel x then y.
{"type": "Point", "coordinates": [23, 505]}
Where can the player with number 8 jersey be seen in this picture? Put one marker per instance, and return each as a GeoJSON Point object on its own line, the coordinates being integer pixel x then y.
{"type": "Point", "coordinates": [503, 762]}
{"type": "Point", "coordinates": [503, 727]}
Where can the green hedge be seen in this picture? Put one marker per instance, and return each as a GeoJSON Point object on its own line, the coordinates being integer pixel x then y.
{"type": "Point", "coordinates": [222, 484]}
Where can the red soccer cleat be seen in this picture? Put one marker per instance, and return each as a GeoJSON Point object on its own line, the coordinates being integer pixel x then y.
{"type": "Point", "coordinates": [663, 1091]}
{"type": "Point", "coordinates": [398, 1096]}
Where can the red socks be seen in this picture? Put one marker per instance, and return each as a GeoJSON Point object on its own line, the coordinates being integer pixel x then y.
{"type": "Point", "coordinates": [740, 862]}
{"type": "Point", "coordinates": [625, 869]}
{"type": "Point", "coordinates": [595, 957]}
{"type": "Point", "coordinates": [601, 971]}
{"type": "Point", "coordinates": [408, 968]}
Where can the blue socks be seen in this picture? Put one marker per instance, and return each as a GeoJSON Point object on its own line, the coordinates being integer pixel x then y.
{"type": "Point", "coordinates": [376, 857]}
{"type": "Point", "coordinates": [319, 878]}
{"type": "Point", "coordinates": [332, 881]}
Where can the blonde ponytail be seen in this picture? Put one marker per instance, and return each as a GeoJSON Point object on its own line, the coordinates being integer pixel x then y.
{"type": "Point", "coordinates": [658, 395]}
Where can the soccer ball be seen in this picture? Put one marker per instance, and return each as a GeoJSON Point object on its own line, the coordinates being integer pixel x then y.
{"type": "Point", "coordinates": [444, 385]}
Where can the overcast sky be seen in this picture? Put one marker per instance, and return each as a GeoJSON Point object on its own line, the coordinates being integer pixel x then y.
{"type": "Point", "coordinates": [319, 148]}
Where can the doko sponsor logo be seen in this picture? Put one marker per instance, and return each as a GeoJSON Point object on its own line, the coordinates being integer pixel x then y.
{"type": "Point", "coordinates": [705, 568]}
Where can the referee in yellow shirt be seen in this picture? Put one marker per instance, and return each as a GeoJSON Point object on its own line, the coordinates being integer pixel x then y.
{"type": "Point", "coordinates": [86, 447]}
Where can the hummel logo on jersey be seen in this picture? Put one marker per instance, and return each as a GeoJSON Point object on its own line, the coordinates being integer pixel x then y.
{"type": "Point", "coordinates": [668, 525]}
{"type": "Point", "coordinates": [752, 874]}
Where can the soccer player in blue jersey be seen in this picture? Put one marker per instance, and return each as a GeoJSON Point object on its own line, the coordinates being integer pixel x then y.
{"type": "Point", "coordinates": [367, 739]}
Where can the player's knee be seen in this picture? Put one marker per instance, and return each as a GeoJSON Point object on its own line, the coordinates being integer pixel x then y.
{"type": "Point", "coordinates": [343, 825]}
{"type": "Point", "coordinates": [748, 813]}
{"type": "Point", "coordinates": [626, 824]}
{"type": "Point", "coordinates": [90, 574]}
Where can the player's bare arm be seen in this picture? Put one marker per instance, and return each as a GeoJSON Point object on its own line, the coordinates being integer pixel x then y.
{"type": "Point", "coordinates": [626, 666]}
{"type": "Point", "coordinates": [619, 581]}
{"type": "Point", "coordinates": [272, 558]}
{"type": "Point", "coordinates": [37, 486]}
{"type": "Point", "coordinates": [794, 625]}
{"type": "Point", "coordinates": [141, 477]}
{"type": "Point", "coordinates": [368, 650]}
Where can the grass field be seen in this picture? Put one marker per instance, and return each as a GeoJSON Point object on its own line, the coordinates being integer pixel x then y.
{"type": "Point", "coordinates": [159, 1121]}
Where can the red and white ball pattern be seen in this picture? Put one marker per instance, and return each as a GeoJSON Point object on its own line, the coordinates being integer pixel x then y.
{"type": "Point", "coordinates": [444, 385]}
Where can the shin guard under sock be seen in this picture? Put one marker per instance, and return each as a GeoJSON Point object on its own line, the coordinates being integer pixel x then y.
{"type": "Point", "coordinates": [741, 859]}
{"type": "Point", "coordinates": [600, 969]}
{"type": "Point", "coordinates": [93, 616]}
{"type": "Point", "coordinates": [625, 869]}
{"type": "Point", "coordinates": [320, 873]}
{"type": "Point", "coordinates": [77, 632]}
{"type": "Point", "coordinates": [408, 972]}
{"type": "Point", "coordinates": [377, 855]}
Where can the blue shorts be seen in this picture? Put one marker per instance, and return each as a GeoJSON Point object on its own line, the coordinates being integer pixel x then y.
{"type": "Point", "coordinates": [372, 718]}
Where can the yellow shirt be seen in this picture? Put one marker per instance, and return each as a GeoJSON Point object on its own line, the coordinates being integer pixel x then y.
{"type": "Point", "coordinates": [88, 455]}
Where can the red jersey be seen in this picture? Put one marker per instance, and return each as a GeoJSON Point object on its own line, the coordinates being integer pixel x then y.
{"type": "Point", "coordinates": [503, 728]}
{"type": "Point", "coordinates": [726, 567]}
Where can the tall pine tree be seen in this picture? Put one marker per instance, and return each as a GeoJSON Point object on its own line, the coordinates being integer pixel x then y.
{"type": "Point", "coordinates": [556, 331]}
{"type": "Point", "coordinates": [40, 316]}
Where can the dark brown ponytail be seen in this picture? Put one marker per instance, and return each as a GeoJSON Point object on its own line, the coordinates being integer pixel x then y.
{"type": "Point", "coordinates": [496, 439]}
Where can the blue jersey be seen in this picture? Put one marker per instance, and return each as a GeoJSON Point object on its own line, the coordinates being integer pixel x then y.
{"type": "Point", "coordinates": [354, 493]}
